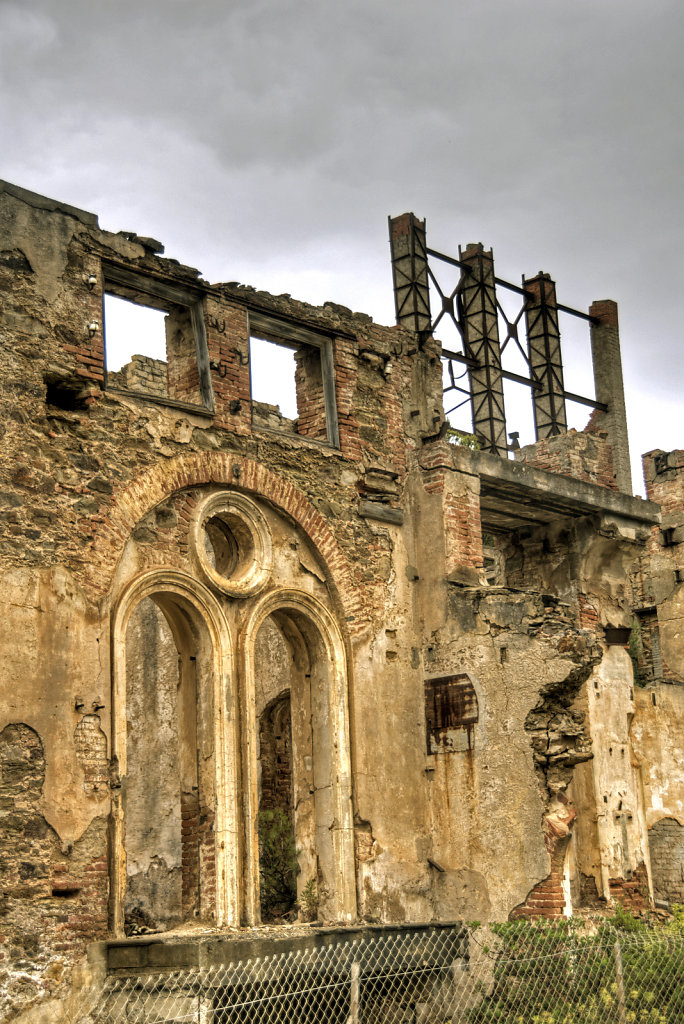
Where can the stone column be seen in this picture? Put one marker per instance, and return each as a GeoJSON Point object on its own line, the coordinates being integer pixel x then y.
{"type": "Point", "coordinates": [605, 354]}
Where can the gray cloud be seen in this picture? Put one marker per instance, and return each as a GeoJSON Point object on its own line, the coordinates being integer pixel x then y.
{"type": "Point", "coordinates": [267, 141]}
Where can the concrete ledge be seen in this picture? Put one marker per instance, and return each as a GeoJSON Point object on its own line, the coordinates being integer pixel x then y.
{"type": "Point", "coordinates": [514, 494]}
{"type": "Point", "coordinates": [156, 954]}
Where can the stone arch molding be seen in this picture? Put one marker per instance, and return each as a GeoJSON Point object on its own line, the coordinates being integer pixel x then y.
{"type": "Point", "coordinates": [244, 533]}
{"type": "Point", "coordinates": [196, 600]}
{"type": "Point", "coordinates": [140, 496]}
{"type": "Point", "coordinates": [315, 616]}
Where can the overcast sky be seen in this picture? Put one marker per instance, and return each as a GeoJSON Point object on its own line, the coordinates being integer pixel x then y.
{"type": "Point", "coordinates": [267, 141]}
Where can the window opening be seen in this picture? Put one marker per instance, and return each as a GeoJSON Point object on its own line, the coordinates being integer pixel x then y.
{"type": "Point", "coordinates": [155, 342]}
{"type": "Point", "coordinates": [136, 346]}
{"type": "Point", "coordinates": [451, 708]}
{"type": "Point", "coordinates": [274, 393]}
{"type": "Point", "coordinates": [292, 379]}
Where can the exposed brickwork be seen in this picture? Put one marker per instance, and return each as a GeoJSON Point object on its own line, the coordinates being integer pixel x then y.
{"type": "Point", "coordinates": [383, 535]}
{"type": "Point", "coordinates": [583, 456]}
{"type": "Point", "coordinates": [631, 893]}
{"type": "Point", "coordinates": [461, 506]}
{"type": "Point", "coordinates": [91, 750]}
{"type": "Point", "coordinates": [149, 490]}
{"type": "Point", "coordinates": [311, 418]}
{"type": "Point", "coordinates": [190, 843]}
{"type": "Point", "coordinates": [547, 899]}
{"type": "Point", "coordinates": [275, 757]}
{"type": "Point", "coordinates": [664, 476]}
{"type": "Point", "coordinates": [608, 386]}
{"type": "Point", "coordinates": [588, 616]}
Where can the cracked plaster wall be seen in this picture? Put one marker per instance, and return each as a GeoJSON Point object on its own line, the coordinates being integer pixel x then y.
{"type": "Point", "coordinates": [384, 535]}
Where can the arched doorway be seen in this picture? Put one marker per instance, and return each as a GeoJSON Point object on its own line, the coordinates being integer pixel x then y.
{"type": "Point", "coordinates": [295, 670]}
{"type": "Point", "coordinates": [169, 792]}
{"type": "Point", "coordinates": [175, 854]}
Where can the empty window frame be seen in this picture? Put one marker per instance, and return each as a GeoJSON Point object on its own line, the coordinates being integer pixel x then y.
{"type": "Point", "coordinates": [296, 392]}
{"type": "Point", "coordinates": [161, 353]}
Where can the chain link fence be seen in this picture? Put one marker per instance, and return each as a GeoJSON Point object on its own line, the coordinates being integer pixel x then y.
{"type": "Point", "coordinates": [430, 975]}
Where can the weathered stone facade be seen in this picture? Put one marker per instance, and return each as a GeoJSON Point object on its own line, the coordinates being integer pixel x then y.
{"type": "Point", "coordinates": [416, 651]}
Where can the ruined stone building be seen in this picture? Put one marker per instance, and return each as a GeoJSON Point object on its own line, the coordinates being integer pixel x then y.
{"type": "Point", "coordinates": [456, 673]}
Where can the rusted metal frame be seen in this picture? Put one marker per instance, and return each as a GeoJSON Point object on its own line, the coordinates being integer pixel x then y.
{"type": "Point", "coordinates": [410, 287]}
{"type": "Point", "coordinates": [442, 296]}
{"type": "Point", "coordinates": [591, 402]}
{"type": "Point", "coordinates": [578, 313]}
{"type": "Point", "coordinates": [459, 405]}
{"type": "Point", "coordinates": [509, 284]}
{"type": "Point", "coordinates": [514, 337]}
{"type": "Point", "coordinates": [530, 382]}
{"type": "Point", "coordinates": [554, 370]}
{"type": "Point", "coordinates": [469, 359]}
{"type": "Point", "coordinates": [447, 303]}
{"type": "Point", "coordinates": [447, 259]}
{"type": "Point", "coordinates": [459, 357]}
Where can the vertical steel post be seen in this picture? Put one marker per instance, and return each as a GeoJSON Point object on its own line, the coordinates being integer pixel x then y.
{"type": "Point", "coordinates": [544, 352]}
{"type": "Point", "coordinates": [478, 314]}
{"type": "Point", "coordinates": [410, 273]}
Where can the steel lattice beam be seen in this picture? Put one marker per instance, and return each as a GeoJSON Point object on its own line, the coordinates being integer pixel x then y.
{"type": "Point", "coordinates": [478, 315]}
{"type": "Point", "coordinates": [544, 352]}
{"type": "Point", "coordinates": [410, 272]}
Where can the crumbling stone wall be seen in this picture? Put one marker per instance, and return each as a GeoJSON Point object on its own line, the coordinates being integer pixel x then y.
{"type": "Point", "coordinates": [584, 455]}
{"type": "Point", "coordinates": [659, 579]}
{"type": "Point", "coordinates": [142, 373]}
{"type": "Point", "coordinates": [666, 839]}
{"type": "Point", "coordinates": [360, 589]}
{"type": "Point", "coordinates": [54, 894]}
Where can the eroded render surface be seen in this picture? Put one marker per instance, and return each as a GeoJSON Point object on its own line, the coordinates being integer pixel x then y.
{"type": "Point", "coordinates": [211, 610]}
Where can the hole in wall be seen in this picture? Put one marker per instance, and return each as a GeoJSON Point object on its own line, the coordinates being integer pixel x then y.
{"type": "Point", "coordinates": [61, 394]}
{"type": "Point", "coordinates": [229, 545]}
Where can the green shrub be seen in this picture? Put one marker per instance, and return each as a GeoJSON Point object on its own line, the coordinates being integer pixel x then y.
{"type": "Point", "coordinates": [277, 864]}
{"type": "Point", "coordinates": [571, 972]}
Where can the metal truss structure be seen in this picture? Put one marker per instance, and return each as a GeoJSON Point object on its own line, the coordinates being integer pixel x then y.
{"type": "Point", "coordinates": [473, 306]}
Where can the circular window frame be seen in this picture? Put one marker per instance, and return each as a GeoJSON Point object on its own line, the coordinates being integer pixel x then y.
{"type": "Point", "coordinates": [253, 569]}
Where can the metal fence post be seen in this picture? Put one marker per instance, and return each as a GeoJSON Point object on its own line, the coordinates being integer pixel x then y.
{"type": "Point", "coordinates": [622, 1013]}
{"type": "Point", "coordinates": [355, 993]}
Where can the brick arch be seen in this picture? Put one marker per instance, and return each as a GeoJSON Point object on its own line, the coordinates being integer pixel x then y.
{"type": "Point", "coordinates": [134, 501]}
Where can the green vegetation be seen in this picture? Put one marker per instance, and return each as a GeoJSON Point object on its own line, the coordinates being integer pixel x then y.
{"type": "Point", "coordinates": [455, 436]}
{"type": "Point", "coordinates": [571, 972]}
{"type": "Point", "coordinates": [309, 901]}
{"type": "Point", "coordinates": [277, 865]}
